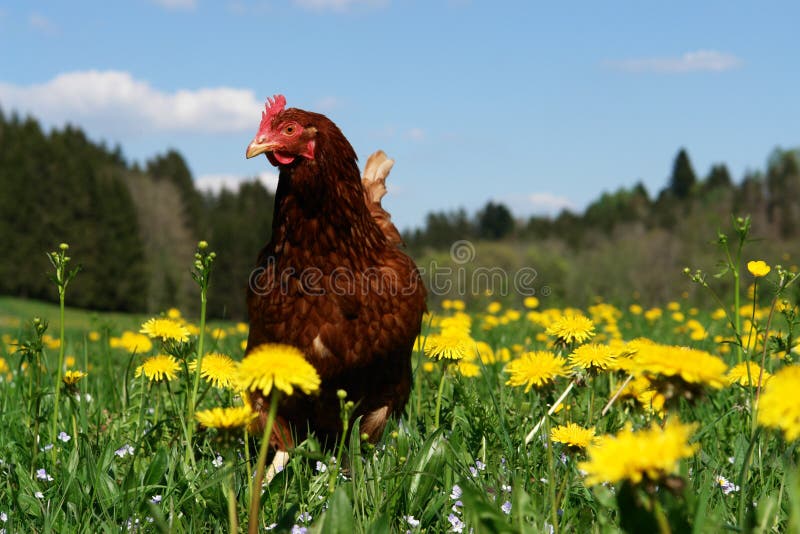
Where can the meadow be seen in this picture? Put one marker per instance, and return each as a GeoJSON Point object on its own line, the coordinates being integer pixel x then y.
{"type": "Point", "coordinates": [523, 418]}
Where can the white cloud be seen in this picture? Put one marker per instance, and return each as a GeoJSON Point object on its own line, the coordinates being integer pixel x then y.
{"type": "Point", "coordinates": [697, 61]}
{"type": "Point", "coordinates": [114, 102]}
{"type": "Point", "coordinates": [338, 5]}
{"type": "Point", "coordinates": [538, 204]}
{"type": "Point", "coordinates": [416, 134]}
{"type": "Point", "coordinates": [327, 103]}
{"type": "Point", "coordinates": [215, 183]}
{"type": "Point", "coordinates": [40, 23]}
{"type": "Point", "coordinates": [176, 4]}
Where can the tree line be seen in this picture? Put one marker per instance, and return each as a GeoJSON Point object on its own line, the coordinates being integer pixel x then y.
{"type": "Point", "coordinates": [773, 197]}
{"type": "Point", "coordinates": [132, 228]}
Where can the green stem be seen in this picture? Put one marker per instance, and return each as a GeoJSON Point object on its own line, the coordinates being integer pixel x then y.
{"type": "Point", "coordinates": [661, 518]}
{"type": "Point", "coordinates": [196, 386]}
{"type": "Point", "coordinates": [439, 399]}
{"type": "Point", "coordinates": [335, 469]}
{"type": "Point", "coordinates": [255, 494]}
{"type": "Point", "coordinates": [60, 371]}
{"type": "Point", "coordinates": [233, 515]}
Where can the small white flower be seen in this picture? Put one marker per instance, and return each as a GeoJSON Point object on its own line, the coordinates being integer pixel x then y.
{"type": "Point", "coordinates": [480, 465]}
{"type": "Point", "coordinates": [506, 507]}
{"type": "Point", "coordinates": [457, 507]}
{"type": "Point", "coordinates": [321, 467]}
{"type": "Point", "coordinates": [473, 471]}
{"type": "Point", "coordinates": [63, 436]}
{"type": "Point", "coordinates": [506, 488]}
{"type": "Point", "coordinates": [156, 499]}
{"type": "Point", "coordinates": [39, 495]}
{"type": "Point", "coordinates": [304, 517]}
{"type": "Point", "coordinates": [456, 524]}
{"type": "Point", "coordinates": [41, 474]}
{"type": "Point", "coordinates": [727, 486]}
{"type": "Point", "coordinates": [731, 460]}
{"type": "Point", "coordinates": [217, 462]}
{"type": "Point", "coordinates": [46, 447]}
{"type": "Point", "coordinates": [548, 528]}
{"type": "Point", "coordinates": [411, 520]}
{"type": "Point", "coordinates": [3, 517]}
{"type": "Point", "coordinates": [125, 450]}
{"type": "Point", "coordinates": [296, 529]}
{"type": "Point", "coordinates": [272, 526]}
{"type": "Point", "coordinates": [456, 493]}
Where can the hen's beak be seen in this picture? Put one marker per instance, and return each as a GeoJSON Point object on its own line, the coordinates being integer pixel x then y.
{"type": "Point", "coordinates": [255, 148]}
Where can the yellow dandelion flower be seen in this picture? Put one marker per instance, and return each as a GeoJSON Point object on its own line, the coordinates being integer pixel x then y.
{"type": "Point", "coordinates": [280, 366]}
{"type": "Point", "coordinates": [572, 328]}
{"type": "Point", "coordinates": [459, 321]}
{"type": "Point", "coordinates": [242, 328]}
{"type": "Point", "coordinates": [535, 369]}
{"type": "Point", "coordinates": [218, 333]}
{"type": "Point", "coordinates": [132, 342]}
{"type": "Point", "coordinates": [758, 268]}
{"type": "Point", "coordinates": [468, 369]}
{"type": "Point", "coordinates": [69, 361]}
{"type": "Point", "coordinates": [174, 313]}
{"type": "Point", "coordinates": [71, 378]}
{"type": "Point", "coordinates": [593, 356]}
{"type": "Point", "coordinates": [635, 309]}
{"type": "Point", "coordinates": [531, 303]}
{"type": "Point", "coordinates": [738, 374]}
{"type": "Point", "coordinates": [494, 307]}
{"type": "Point", "coordinates": [161, 367]}
{"type": "Point", "coordinates": [3, 365]}
{"type": "Point", "coordinates": [428, 367]}
{"type": "Point", "coordinates": [653, 314]}
{"type": "Point", "coordinates": [447, 304]}
{"type": "Point", "coordinates": [218, 369]}
{"type": "Point", "coordinates": [484, 352]}
{"type": "Point", "coordinates": [572, 435]}
{"type": "Point", "coordinates": [651, 453]}
{"type": "Point", "coordinates": [451, 344]}
{"type": "Point", "coordinates": [165, 329]}
{"type": "Point", "coordinates": [94, 336]}
{"type": "Point", "coordinates": [778, 407]}
{"type": "Point", "coordinates": [226, 418]}
{"type": "Point", "coordinates": [691, 365]}
{"type": "Point", "coordinates": [458, 305]}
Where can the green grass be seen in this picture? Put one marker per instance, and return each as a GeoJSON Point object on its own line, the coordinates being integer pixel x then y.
{"type": "Point", "coordinates": [124, 466]}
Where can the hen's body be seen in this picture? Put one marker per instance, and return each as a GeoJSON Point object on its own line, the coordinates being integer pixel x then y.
{"type": "Point", "coordinates": [334, 284]}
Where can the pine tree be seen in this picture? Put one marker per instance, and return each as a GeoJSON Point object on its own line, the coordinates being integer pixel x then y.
{"type": "Point", "coordinates": [683, 178]}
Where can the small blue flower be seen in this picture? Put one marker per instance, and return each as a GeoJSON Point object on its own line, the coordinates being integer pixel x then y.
{"type": "Point", "coordinates": [125, 450]}
{"type": "Point", "coordinates": [63, 436]}
{"type": "Point", "coordinates": [41, 474]}
{"type": "Point", "coordinates": [456, 524]}
{"type": "Point", "coordinates": [506, 507]}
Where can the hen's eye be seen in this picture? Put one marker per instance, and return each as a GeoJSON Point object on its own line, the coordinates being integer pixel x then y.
{"type": "Point", "coordinates": [289, 130]}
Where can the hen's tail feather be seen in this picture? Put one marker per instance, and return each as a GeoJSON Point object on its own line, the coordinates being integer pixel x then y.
{"type": "Point", "coordinates": [374, 181]}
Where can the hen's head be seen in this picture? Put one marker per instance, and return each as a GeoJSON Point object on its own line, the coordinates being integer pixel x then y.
{"type": "Point", "coordinates": [285, 134]}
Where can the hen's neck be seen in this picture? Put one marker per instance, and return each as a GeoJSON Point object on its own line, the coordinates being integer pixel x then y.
{"type": "Point", "coordinates": [320, 213]}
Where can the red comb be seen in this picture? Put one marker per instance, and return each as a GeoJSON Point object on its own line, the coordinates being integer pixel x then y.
{"type": "Point", "coordinates": [274, 106]}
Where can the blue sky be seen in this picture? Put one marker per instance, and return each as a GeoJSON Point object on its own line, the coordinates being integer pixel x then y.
{"type": "Point", "coordinates": [538, 105]}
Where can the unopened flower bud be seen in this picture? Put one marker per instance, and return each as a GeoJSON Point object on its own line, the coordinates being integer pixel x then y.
{"type": "Point", "coordinates": [364, 436]}
{"type": "Point", "coordinates": [63, 246]}
{"type": "Point", "coordinates": [342, 394]}
{"type": "Point", "coordinates": [202, 245]}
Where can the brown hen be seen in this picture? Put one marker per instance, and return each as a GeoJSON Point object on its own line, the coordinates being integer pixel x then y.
{"type": "Point", "coordinates": [332, 280]}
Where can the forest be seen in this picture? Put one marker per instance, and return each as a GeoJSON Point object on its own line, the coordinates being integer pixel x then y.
{"type": "Point", "coordinates": [133, 228]}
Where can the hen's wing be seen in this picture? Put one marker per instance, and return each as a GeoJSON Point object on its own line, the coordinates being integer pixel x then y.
{"type": "Point", "coordinates": [374, 181]}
